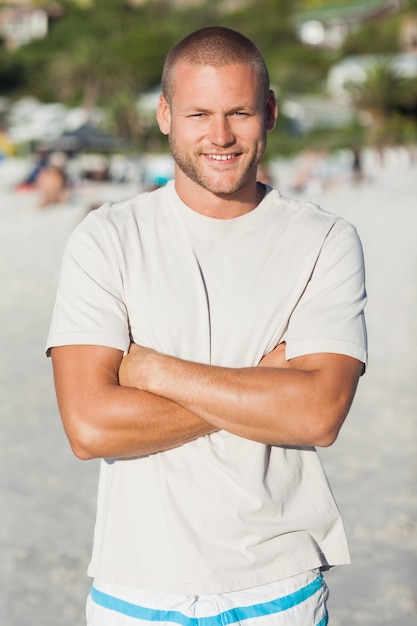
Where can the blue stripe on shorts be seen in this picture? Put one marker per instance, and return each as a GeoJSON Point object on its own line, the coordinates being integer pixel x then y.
{"type": "Point", "coordinates": [237, 614]}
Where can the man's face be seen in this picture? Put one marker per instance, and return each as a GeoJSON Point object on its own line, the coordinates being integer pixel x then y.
{"type": "Point", "coordinates": [217, 123]}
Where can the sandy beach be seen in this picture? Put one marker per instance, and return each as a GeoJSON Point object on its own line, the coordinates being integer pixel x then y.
{"type": "Point", "coordinates": [48, 496]}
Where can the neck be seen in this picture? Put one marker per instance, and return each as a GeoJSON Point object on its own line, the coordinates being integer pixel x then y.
{"type": "Point", "coordinates": [220, 206]}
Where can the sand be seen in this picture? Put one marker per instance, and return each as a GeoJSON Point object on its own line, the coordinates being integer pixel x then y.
{"type": "Point", "coordinates": [48, 496]}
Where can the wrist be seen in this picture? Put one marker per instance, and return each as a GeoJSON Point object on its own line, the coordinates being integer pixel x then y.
{"type": "Point", "coordinates": [156, 372]}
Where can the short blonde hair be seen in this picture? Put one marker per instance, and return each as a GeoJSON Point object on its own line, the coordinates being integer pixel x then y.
{"type": "Point", "coordinates": [218, 47]}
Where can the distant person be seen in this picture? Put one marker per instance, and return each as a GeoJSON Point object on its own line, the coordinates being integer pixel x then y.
{"type": "Point", "coordinates": [206, 337]}
{"type": "Point", "coordinates": [309, 171]}
{"type": "Point", "coordinates": [7, 147]}
{"type": "Point", "coordinates": [357, 166]}
{"type": "Point", "coordinates": [41, 161]}
{"type": "Point", "coordinates": [51, 185]}
{"type": "Point", "coordinates": [51, 182]}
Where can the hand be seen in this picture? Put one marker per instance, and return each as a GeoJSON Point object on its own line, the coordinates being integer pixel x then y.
{"type": "Point", "coordinates": [275, 358]}
{"type": "Point", "coordinates": [133, 366]}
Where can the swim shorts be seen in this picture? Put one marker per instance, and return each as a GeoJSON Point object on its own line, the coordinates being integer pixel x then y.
{"type": "Point", "coordinates": [296, 601]}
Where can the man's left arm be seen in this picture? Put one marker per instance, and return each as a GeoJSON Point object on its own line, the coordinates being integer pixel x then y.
{"type": "Point", "coordinates": [302, 402]}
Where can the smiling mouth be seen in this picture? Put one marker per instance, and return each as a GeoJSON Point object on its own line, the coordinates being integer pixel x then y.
{"type": "Point", "coordinates": [221, 157]}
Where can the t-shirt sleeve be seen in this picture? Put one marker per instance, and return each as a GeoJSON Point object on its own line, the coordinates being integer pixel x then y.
{"type": "Point", "coordinates": [89, 306]}
{"type": "Point", "coordinates": [329, 316]}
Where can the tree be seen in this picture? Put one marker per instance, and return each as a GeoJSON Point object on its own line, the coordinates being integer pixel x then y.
{"type": "Point", "coordinates": [89, 73]}
{"type": "Point", "coordinates": [382, 94]}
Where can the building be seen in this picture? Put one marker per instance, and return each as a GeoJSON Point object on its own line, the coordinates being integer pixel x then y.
{"type": "Point", "coordinates": [23, 20]}
{"type": "Point", "coordinates": [328, 27]}
{"type": "Point", "coordinates": [21, 24]}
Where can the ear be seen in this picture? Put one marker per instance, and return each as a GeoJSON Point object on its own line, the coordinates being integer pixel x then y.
{"type": "Point", "coordinates": [271, 111]}
{"type": "Point", "coordinates": [163, 115]}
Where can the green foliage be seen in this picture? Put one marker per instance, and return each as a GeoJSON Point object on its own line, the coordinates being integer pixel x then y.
{"type": "Point", "coordinates": [373, 38]}
{"type": "Point", "coordinates": [283, 142]}
{"type": "Point", "coordinates": [311, 5]}
{"type": "Point", "coordinates": [381, 91]}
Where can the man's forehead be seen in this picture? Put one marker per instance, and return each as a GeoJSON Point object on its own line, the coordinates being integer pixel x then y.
{"type": "Point", "coordinates": [186, 72]}
{"type": "Point", "coordinates": [215, 65]}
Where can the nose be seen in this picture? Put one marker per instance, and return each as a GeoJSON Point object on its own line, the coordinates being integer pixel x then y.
{"type": "Point", "coordinates": [221, 133]}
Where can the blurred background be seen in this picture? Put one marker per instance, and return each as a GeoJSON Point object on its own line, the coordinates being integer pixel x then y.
{"type": "Point", "coordinates": [79, 83]}
{"type": "Point", "coordinates": [81, 77]}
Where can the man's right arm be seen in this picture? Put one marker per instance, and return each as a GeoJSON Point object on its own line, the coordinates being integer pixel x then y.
{"type": "Point", "coordinates": [104, 419]}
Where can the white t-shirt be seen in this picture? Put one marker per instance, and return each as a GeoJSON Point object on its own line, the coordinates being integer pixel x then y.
{"type": "Point", "coordinates": [220, 513]}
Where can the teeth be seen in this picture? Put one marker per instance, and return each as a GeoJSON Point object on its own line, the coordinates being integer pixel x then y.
{"type": "Point", "coordinates": [221, 157]}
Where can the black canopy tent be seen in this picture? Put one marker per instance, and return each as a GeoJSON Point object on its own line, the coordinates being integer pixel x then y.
{"type": "Point", "coordinates": [86, 138]}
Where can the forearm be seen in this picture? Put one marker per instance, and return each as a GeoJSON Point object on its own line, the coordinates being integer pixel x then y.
{"type": "Point", "coordinates": [132, 422]}
{"type": "Point", "coordinates": [262, 404]}
{"type": "Point", "coordinates": [104, 419]}
{"type": "Point", "coordinates": [303, 403]}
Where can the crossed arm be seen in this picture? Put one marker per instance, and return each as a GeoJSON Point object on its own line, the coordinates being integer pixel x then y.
{"type": "Point", "coordinates": [149, 402]}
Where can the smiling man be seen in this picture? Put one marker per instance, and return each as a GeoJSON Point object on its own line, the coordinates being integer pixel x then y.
{"type": "Point", "coordinates": [205, 338]}
{"type": "Point", "coordinates": [217, 131]}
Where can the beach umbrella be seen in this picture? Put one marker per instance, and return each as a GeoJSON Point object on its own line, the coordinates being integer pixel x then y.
{"type": "Point", "coordinates": [86, 138]}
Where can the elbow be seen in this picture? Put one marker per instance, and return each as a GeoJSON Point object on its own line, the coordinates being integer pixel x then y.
{"type": "Point", "coordinates": [326, 438]}
{"type": "Point", "coordinates": [82, 451]}
{"type": "Point", "coordinates": [83, 438]}
{"type": "Point", "coordinates": [328, 428]}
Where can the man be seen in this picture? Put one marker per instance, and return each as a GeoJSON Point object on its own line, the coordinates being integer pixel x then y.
{"type": "Point", "coordinates": [206, 337]}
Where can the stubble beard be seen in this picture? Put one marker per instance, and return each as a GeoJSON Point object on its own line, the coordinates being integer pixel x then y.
{"type": "Point", "coordinates": [188, 166]}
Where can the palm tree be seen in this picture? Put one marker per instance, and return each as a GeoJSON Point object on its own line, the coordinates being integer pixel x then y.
{"type": "Point", "coordinates": [381, 94]}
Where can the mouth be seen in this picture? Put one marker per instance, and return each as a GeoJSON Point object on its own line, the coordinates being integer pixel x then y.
{"type": "Point", "coordinates": [222, 157]}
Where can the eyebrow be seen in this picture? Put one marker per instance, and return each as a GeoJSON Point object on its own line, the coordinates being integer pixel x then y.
{"type": "Point", "coordinates": [193, 108]}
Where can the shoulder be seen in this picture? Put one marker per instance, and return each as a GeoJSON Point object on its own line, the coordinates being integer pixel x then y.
{"type": "Point", "coordinates": [121, 217]}
{"type": "Point", "coordinates": [303, 209]}
{"type": "Point", "coordinates": [305, 218]}
{"type": "Point", "coordinates": [117, 228]}
{"type": "Point", "coordinates": [118, 212]}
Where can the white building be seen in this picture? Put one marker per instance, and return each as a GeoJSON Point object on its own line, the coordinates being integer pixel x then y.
{"type": "Point", "coordinates": [329, 26]}
{"type": "Point", "coordinates": [20, 24]}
